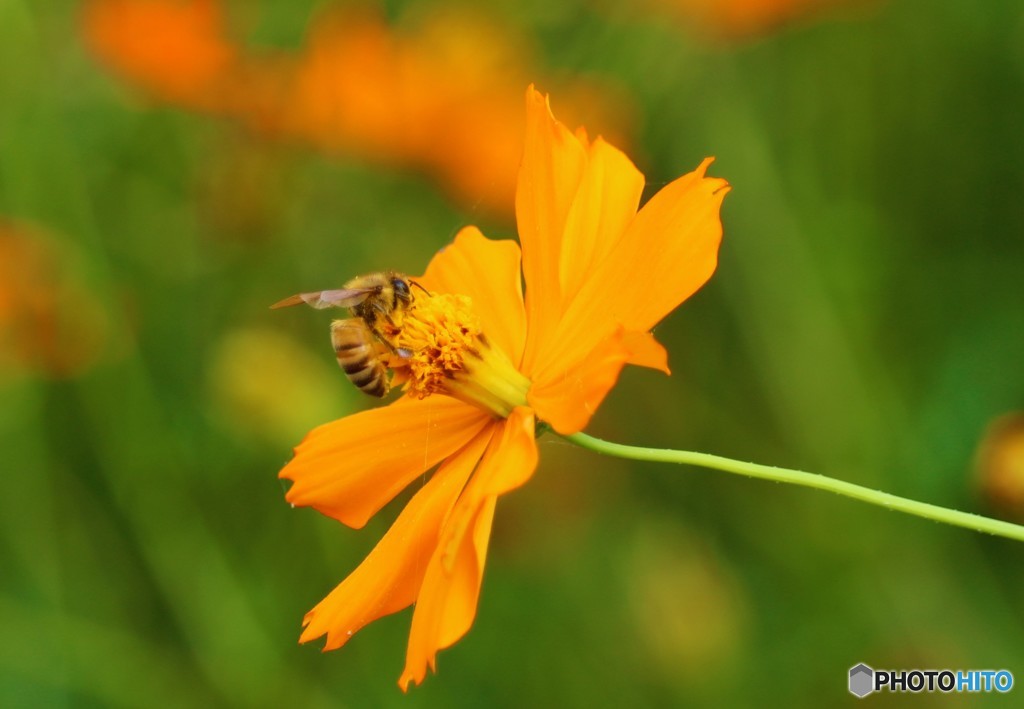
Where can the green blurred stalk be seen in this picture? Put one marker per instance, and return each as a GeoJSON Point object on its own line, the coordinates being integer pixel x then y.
{"type": "Point", "coordinates": [798, 477]}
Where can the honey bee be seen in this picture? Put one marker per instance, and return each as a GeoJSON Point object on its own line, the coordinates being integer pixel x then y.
{"type": "Point", "coordinates": [364, 343]}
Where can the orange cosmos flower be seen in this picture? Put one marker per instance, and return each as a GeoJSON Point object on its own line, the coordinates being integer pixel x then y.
{"type": "Point", "coordinates": [177, 49]}
{"type": "Point", "coordinates": [485, 366]}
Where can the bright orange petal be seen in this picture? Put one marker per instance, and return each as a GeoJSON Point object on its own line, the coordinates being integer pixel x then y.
{"type": "Point", "coordinates": [553, 163]}
{"type": "Point", "coordinates": [669, 250]}
{"type": "Point", "coordinates": [605, 203]}
{"type": "Point", "coordinates": [516, 454]}
{"type": "Point", "coordinates": [350, 468]}
{"type": "Point", "coordinates": [566, 398]}
{"type": "Point", "coordinates": [488, 272]}
{"type": "Point", "coordinates": [645, 351]}
{"type": "Point", "coordinates": [447, 602]}
{"type": "Point", "coordinates": [509, 463]}
{"type": "Point", "coordinates": [389, 578]}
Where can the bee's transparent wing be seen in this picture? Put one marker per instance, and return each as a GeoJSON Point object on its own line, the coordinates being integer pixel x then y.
{"type": "Point", "coordinates": [340, 298]}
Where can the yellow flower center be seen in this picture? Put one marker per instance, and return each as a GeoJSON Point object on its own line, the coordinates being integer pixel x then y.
{"type": "Point", "coordinates": [443, 350]}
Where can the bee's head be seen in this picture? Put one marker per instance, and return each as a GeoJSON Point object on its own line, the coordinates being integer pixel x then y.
{"type": "Point", "coordinates": [402, 293]}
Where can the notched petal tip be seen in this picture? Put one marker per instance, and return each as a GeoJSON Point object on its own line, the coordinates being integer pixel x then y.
{"type": "Point", "coordinates": [645, 351]}
{"type": "Point", "coordinates": [723, 186]}
{"type": "Point", "coordinates": [535, 96]}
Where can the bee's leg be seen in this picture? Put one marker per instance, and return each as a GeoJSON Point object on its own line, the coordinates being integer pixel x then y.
{"type": "Point", "coordinates": [385, 314]}
{"type": "Point", "coordinates": [393, 356]}
{"type": "Point", "coordinates": [381, 341]}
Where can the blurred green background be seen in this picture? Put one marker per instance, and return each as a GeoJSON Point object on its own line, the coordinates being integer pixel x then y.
{"type": "Point", "coordinates": [866, 321]}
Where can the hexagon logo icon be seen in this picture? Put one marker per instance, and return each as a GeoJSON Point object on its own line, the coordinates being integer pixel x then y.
{"type": "Point", "coordinates": [862, 680]}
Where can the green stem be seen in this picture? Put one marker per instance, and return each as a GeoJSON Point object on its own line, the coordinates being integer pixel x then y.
{"type": "Point", "coordinates": [797, 477]}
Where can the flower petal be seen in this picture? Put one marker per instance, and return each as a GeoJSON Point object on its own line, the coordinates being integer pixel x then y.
{"type": "Point", "coordinates": [508, 464]}
{"type": "Point", "coordinates": [674, 240]}
{"type": "Point", "coordinates": [645, 351]}
{"type": "Point", "coordinates": [390, 577]}
{"type": "Point", "coordinates": [350, 468]}
{"type": "Point", "coordinates": [566, 398]}
{"type": "Point", "coordinates": [448, 598]}
{"type": "Point", "coordinates": [669, 250]}
{"type": "Point", "coordinates": [447, 602]}
{"type": "Point", "coordinates": [605, 203]}
{"type": "Point", "coordinates": [553, 163]}
{"type": "Point", "coordinates": [488, 272]}
{"type": "Point", "coordinates": [516, 454]}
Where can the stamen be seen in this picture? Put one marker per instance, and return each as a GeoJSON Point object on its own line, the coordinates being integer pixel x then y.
{"type": "Point", "coordinates": [449, 354]}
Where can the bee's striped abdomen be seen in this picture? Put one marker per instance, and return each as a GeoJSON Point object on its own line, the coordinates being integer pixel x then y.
{"type": "Point", "coordinates": [357, 353]}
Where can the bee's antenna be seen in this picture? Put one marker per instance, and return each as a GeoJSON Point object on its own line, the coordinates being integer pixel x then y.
{"type": "Point", "coordinates": [419, 286]}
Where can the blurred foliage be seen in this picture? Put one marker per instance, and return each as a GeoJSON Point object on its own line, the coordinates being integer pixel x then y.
{"type": "Point", "coordinates": [866, 321]}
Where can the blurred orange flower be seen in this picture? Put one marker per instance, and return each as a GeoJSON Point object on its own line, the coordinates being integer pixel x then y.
{"type": "Point", "coordinates": [177, 49]}
{"type": "Point", "coordinates": [362, 88]}
{"type": "Point", "coordinates": [501, 364]}
{"type": "Point", "coordinates": [359, 87]}
{"type": "Point", "coordinates": [50, 324]}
